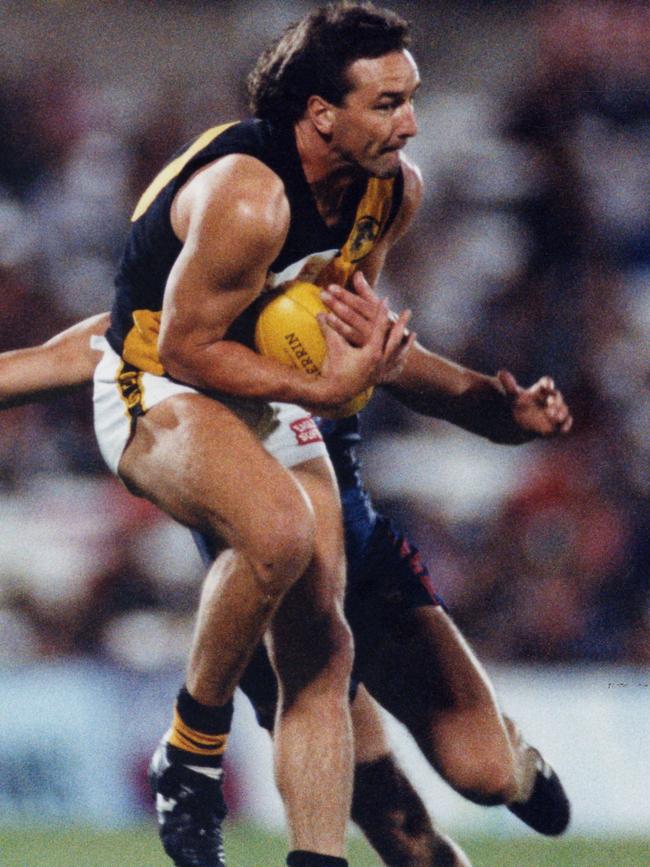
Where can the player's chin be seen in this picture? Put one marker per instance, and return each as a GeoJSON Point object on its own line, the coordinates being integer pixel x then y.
{"type": "Point", "coordinates": [387, 165]}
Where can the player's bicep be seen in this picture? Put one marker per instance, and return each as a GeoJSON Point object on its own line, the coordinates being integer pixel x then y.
{"type": "Point", "coordinates": [234, 231]}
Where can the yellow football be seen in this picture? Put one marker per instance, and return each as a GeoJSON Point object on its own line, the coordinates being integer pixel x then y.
{"type": "Point", "coordinates": [287, 330]}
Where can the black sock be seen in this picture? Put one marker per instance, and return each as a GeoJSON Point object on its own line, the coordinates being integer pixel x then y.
{"type": "Point", "coordinates": [301, 858]}
{"type": "Point", "coordinates": [199, 732]}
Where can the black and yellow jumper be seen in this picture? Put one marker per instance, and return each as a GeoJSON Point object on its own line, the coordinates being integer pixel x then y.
{"type": "Point", "coordinates": [312, 250]}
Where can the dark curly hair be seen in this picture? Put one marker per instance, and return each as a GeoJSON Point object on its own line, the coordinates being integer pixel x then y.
{"type": "Point", "coordinates": [312, 56]}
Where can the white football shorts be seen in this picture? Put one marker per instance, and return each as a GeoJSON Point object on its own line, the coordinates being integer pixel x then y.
{"type": "Point", "coordinates": [120, 394]}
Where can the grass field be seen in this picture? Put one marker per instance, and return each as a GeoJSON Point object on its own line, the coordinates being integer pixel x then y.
{"type": "Point", "coordinates": [247, 847]}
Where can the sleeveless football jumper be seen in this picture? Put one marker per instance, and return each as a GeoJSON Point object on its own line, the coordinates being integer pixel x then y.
{"type": "Point", "coordinates": [312, 251]}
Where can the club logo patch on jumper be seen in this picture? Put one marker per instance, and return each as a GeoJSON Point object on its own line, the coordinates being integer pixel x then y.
{"type": "Point", "coordinates": [306, 431]}
{"type": "Point", "coordinates": [363, 237]}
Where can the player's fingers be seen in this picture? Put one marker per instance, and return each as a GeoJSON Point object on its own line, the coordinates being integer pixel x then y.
{"type": "Point", "coordinates": [509, 383]}
{"type": "Point", "coordinates": [558, 413]}
{"type": "Point", "coordinates": [375, 345]}
{"type": "Point", "coordinates": [545, 388]}
{"type": "Point", "coordinates": [346, 331]}
{"type": "Point", "coordinates": [333, 339]}
{"type": "Point", "coordinates": [360, 282]}
{"type": "Point", "coordinates": [355, 326]}
{"type": "Point", "coordinates": [363, 289]}
{"type": "Point", "coordinates": [397, 333]}
{"type": "Point", "coordinates": [405, 348]}
{"type": "Point", "coordinates": [562, 416]}
{"type": "Point", "coordinates": [566, 426]}
{"type": "Point", "coordinates": [380, 323]}
{"type": "Point", "coordinates": [335, 294]}
{"type": "Point", "coordinates": [395, 365]}
{"type": "Point", "coordinates": [547, 383]}
{"type": "Point", "coordinates": [555, 406]}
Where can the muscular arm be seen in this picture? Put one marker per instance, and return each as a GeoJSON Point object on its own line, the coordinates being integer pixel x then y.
{"type": "Point", "coordinates": [232, 218]}
{"type": "Point", "coordinates": [64, 362]}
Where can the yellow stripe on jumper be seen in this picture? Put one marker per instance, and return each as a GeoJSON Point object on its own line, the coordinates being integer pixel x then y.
{"type": "Point", "coordinates": [175, 167]}
{"type": "Point", "coordinates": [129, 383]}
{"type": "Point", "coordinates": [369, 224]}
{"type": "Point", "coordinates": [140, 346]}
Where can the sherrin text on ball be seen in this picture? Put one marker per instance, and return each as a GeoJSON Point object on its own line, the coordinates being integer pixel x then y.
{"type": "Point", "coordinates": [287, 330]}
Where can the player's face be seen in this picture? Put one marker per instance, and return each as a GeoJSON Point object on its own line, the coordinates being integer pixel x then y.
{"type": "Point", "coordinates": [377, 117]}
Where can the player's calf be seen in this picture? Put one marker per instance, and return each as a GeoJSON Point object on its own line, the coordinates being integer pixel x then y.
{"type": "Point", "coordinates": [394, 820]}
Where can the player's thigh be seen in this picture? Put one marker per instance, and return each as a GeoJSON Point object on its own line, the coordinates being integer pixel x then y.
{"type": "Point", "coordinates": [324, 584]}
{"type": "Point", "coordinates": [420, 668]}
{"type": "Point", "coordinates": [195, 459]}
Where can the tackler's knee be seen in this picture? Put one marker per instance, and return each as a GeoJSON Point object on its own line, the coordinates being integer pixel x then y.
{"type": "Point", "coordinates": [488, 782]}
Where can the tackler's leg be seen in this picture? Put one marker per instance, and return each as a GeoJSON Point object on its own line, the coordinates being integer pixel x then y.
{"type": "Point", "coordinates": [385, 805]}
{"type": "Point", "coordinates": [424, 672]}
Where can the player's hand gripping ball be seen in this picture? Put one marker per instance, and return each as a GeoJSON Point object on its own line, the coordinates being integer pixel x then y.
{"type": "Point", "coordinates": [287, 330]}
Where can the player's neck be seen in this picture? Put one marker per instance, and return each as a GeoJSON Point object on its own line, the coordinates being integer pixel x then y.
{"type": "Point", "coordinates": [328, 176]}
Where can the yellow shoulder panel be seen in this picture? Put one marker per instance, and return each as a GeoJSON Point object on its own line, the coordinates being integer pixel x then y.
{"type": "Point", "coordinates": [175, 167]}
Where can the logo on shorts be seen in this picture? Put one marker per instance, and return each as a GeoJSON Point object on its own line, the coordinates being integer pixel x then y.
{"type": "Point", "coordinates": [306, 431]}
{"type": "Point", "coordinates": [129, 383]}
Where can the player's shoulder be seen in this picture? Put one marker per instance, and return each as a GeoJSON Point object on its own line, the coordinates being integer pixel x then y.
{"type": "Point", "coordinates": [240, 176]}
{"type": "Point", "coordinates": [238, 188]}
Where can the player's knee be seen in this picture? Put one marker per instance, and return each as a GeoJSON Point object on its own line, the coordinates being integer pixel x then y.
{"type": "Point", "coordinates": [319, 678]}
{"type": "Point", "coordinates": [281, 548]}
{"type": "Point", "coordinates": [488, 781]}
{"type": "Point", "coordinates": [283, 560]}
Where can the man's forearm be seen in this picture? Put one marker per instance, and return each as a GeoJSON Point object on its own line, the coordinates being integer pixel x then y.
{"type": "Point", "coordinates": [40, 372]}
{"type": "Point", "coordinates": [436, 387]}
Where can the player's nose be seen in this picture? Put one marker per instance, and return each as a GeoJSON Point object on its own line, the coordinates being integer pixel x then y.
{"type": "Point", "coordinates": [407, 126]}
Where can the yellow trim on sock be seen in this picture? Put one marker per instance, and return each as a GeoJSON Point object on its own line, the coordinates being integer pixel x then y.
{"type": "Point", "coordinates": [192, 741]}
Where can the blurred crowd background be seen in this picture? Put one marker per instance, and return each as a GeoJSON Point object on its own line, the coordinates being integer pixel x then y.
{"type": "Point", "coordinates": [532, 252]}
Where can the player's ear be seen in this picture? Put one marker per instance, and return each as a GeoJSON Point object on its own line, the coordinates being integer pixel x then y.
{"type": "Point", "coordinates": [321, 113]}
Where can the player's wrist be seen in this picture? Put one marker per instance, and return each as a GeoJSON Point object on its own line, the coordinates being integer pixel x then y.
{"type": "Point", "coordinates": [326, 393]}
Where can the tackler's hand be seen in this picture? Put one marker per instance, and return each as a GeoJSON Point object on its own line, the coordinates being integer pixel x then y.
{"type": "Point", "coordinates": [539, 409]}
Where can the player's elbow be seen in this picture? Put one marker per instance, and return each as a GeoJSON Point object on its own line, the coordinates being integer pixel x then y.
{"type": "Point", "coordinates": [177, 355]}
